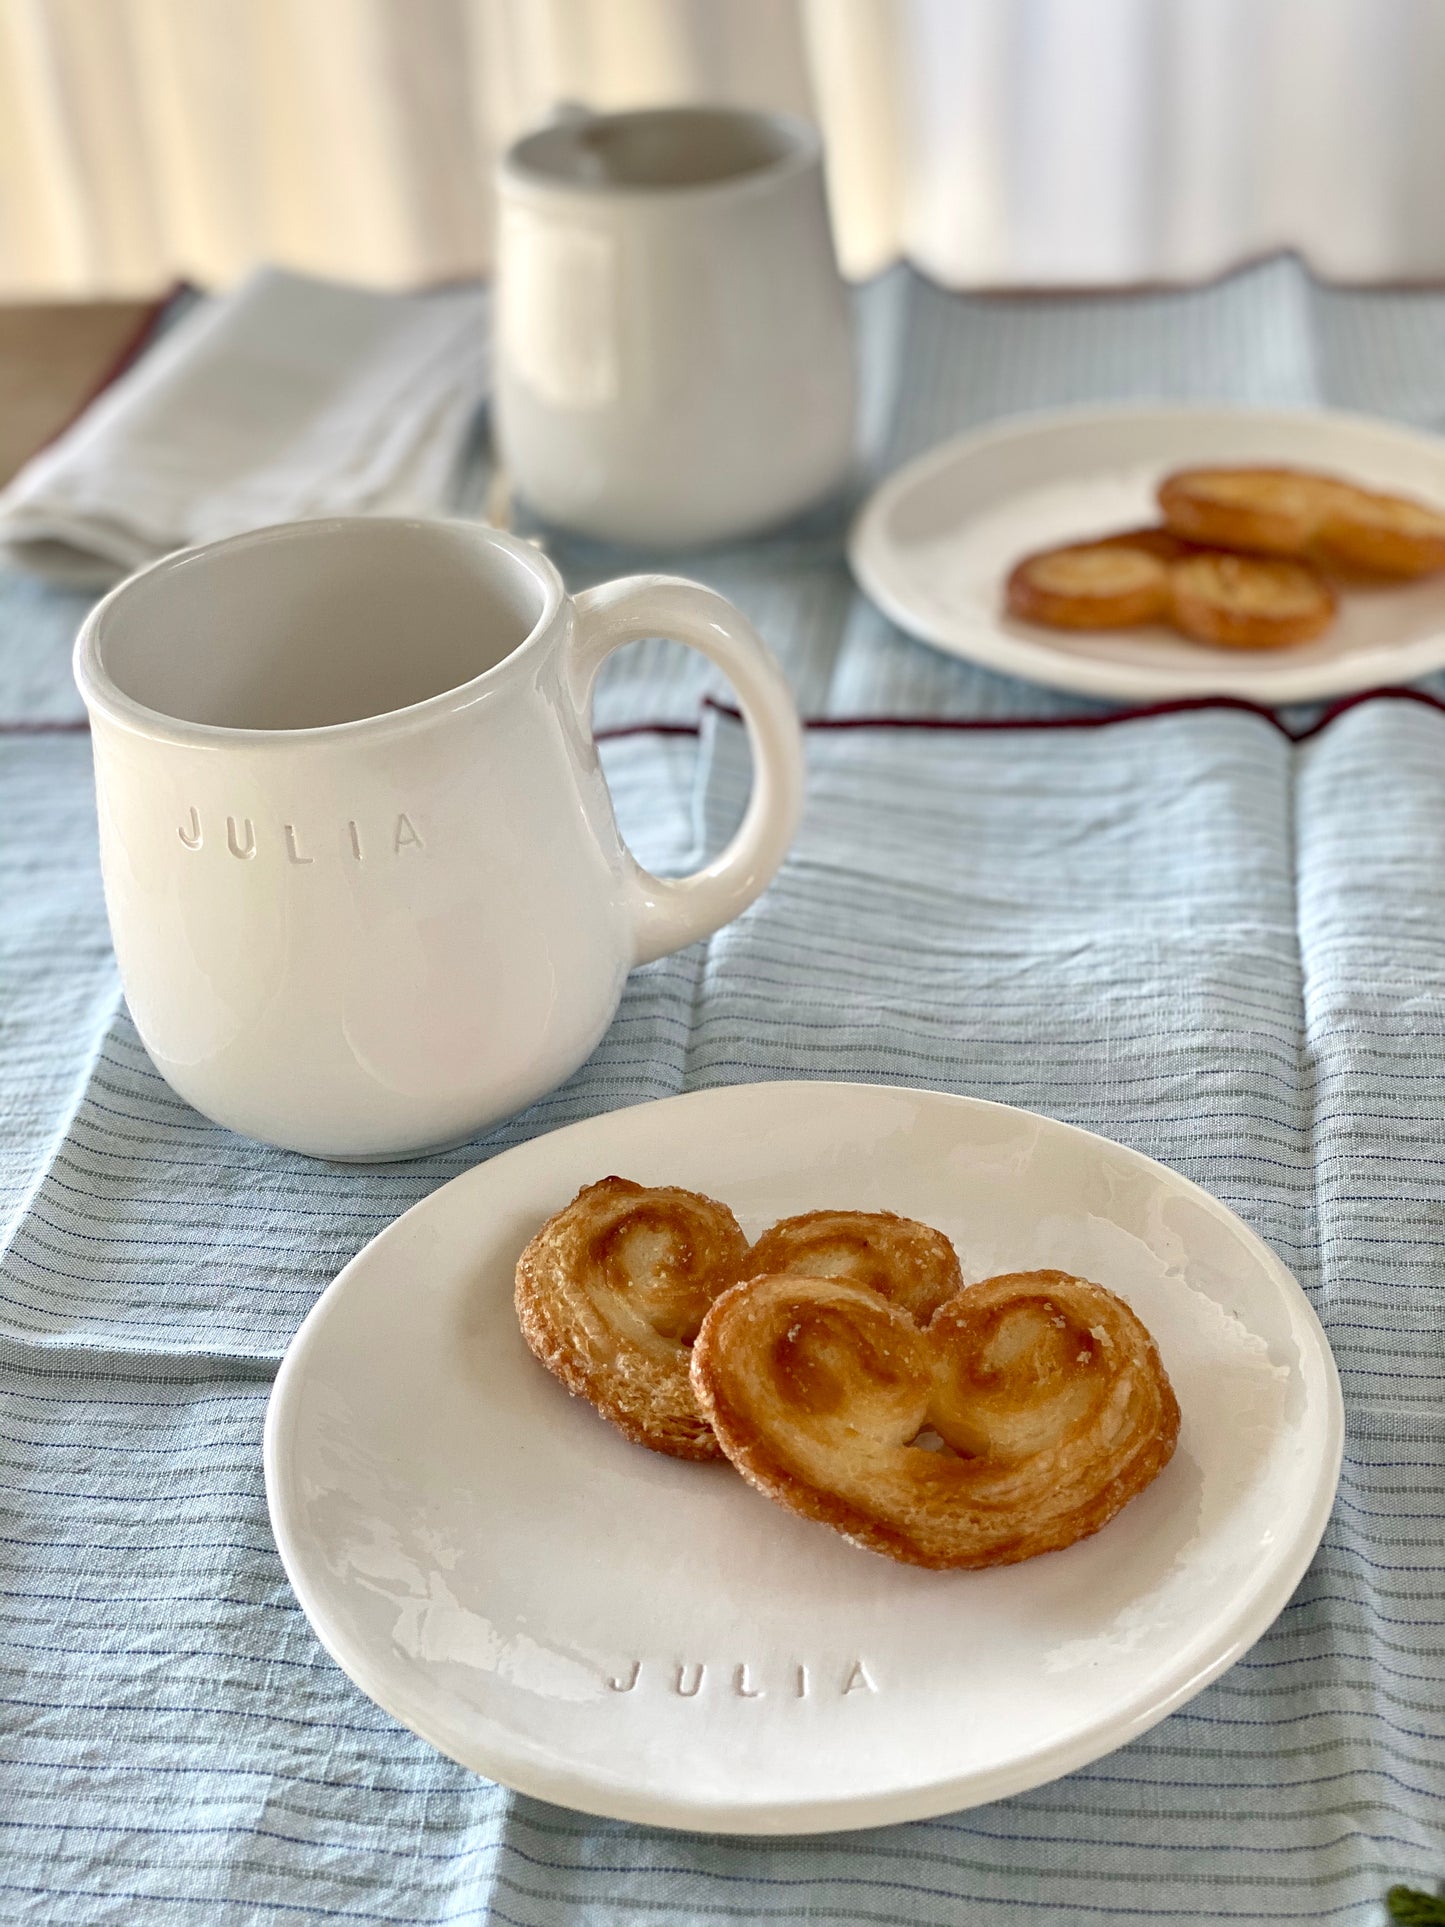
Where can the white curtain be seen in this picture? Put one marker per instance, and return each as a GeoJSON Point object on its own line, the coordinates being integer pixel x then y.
{"type": "Point", "coordinates": [993, 142]}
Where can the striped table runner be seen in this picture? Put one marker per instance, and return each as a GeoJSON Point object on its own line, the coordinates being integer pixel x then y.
{"type": "Point", "coordinates": [1214, 935]}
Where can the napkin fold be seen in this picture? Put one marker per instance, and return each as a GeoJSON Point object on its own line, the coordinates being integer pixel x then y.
{"type": "Point", "coordinates": [287, 398]}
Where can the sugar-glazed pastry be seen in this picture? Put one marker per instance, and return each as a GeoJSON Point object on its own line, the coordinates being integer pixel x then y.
{"type": "Point", "coordinates": [1109, 584]}
{"type": "Point", "coordinates": [1046, 1391]}
{"type": "Point", "coordinates": [610, 1294]}
{"type": "Point", "coordinates": [910, 1263]}
{"type": "Point", "coordinates": [1151, 575]}
{"type": "Point", "coordinates": [1248, 601]}
{"type": "Point", "coordinates": [1298, 512]}
{"type": "Point", "coordinates": [1380, 535]}
{"type": "Point", "coordinates": [1269, 511]}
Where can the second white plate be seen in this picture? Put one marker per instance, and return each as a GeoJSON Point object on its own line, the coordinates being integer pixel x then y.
{"type": "Point", "coordinates": [934, 544]}
{"type": "Point", "coordinates": [637, 1637]}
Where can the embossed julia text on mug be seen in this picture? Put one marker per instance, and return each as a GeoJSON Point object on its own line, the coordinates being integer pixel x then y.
{"type": "Point", "coordinates": [366, 890]}
{"type": "Point", "coordinates": [793, 1679]}
{"type": "Point", "coordinates": [300, 844]}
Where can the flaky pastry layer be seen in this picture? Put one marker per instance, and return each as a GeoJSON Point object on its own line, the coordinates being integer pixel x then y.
{"type": "Point", "coordinates": [1045, 1392]}
{"type": "Point", "coordinates": [1301, 512]}
{"type": "Point", "coordinates": [909, 1263]}
{"type": "Point", "coordinates": [610, 1294]}
{"type": "Point", "coordinates": [1151, 575]}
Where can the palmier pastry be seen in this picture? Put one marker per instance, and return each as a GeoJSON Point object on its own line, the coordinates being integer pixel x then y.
{"type": "Point", "coordinates": [1380, 535]}
{"type": "Point", "coordinates": [909, 1263]}
{"type": "Point", "coordinates": [610, 1294]}
{"type": "Point", "coordinates": [1248, 601]}
{"type": "Point", "coordinates": [1147, 575]}
{"type": "Point", "coordinates": [1271, 511]}
{"type": "Point", "coordinates": [1047, 1393]}
{"type": "Point", "coordinates": [1090, 585]}
{"type": "Point", "coordinates": [1297, 512]}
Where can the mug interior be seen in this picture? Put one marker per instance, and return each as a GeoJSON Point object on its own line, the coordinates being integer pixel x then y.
{"type": "Point", "coordinates": [318, 623]}
{"type": "Point", "coordinates": [658, 148]}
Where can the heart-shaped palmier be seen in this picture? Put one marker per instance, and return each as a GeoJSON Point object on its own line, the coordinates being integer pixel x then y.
{"type": "Point", "coordinates": [1043, 1394]}
{"type": "Point", "coordinates": [610, 1294]}
{"type": "Point", "coordinates": [1294, 512]}
{"type": "Point", "coordinates": [907, 1262]}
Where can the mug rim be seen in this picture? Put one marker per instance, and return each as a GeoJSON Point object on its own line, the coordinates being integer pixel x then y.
{"type": "Point", "coordinates": [805, 151]}
{"type": "Point", "coordinates": [104, 697]}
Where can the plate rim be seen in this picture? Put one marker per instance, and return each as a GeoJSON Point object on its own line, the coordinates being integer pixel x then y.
{"type": "Point", "coordinates": [1035, 662]}
{"type": "Point", "coordinates": [583, 1791]}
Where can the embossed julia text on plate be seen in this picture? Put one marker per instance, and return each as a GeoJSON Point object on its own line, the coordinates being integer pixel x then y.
{"type": "Point", "coordinates": [638, 1636]}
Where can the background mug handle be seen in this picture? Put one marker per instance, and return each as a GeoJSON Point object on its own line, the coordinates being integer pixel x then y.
{"type": "Point", "coordinates": [668, 914]}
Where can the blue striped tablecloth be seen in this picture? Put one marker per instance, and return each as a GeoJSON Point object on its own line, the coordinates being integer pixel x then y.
{"type": "Point", "coordinates": [1214, 935]}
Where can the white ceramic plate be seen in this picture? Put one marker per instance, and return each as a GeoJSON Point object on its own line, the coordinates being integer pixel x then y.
{"type": "Point", "coordinates": [637, 1637]}
{"type": "Point", "coordinates": [934, 544]}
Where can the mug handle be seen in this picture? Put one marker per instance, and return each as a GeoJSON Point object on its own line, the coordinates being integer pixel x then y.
{"type": "Point", "coordinates": [668, 914]}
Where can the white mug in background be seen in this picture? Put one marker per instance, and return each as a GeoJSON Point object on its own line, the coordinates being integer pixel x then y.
{"type": "Point", "coordinates": [675, 358]}
{"type": "Point", "coordinates": [363, 878]}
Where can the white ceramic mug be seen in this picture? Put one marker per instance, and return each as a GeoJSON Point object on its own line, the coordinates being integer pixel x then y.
{"type": "Point", "coordinates": [675, 361]}
{"type": "Point", "coordinates": [364, 883]}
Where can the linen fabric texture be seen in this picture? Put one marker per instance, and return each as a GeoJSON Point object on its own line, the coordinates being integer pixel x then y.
{"type": "Point", "coordinates": [1213, 935]}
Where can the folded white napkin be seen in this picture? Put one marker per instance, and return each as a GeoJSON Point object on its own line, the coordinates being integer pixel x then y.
{"type": "Point", "coordinates": [286, 398]}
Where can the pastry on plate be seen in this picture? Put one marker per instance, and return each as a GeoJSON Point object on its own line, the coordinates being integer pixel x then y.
{"type": "Point", "coordinates": [1268, 511]}
{"type": "Point", "coordinates": [1109, 584]}
{"type": "Point", "coordinates": [1381, 535]}
{"type": "Point", "coordinates": [911, 1264]}
{"type": "Point", "coordinates": [1248, 601]}
{"type": "Point", "coordinates": [610, 1294]}
{"type": "Point", "coordinates": [1298, 512]}
{"type": "Point", "coordinates": [1022, 1418]}
{"type": "Point", "coordinates": [1152, 575]}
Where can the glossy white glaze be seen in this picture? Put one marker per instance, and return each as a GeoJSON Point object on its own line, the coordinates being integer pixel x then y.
{"type": "Point", "coordinates": [358, 934]}
{"type": "Point", "coordinates": [675, 362]}
{"type": "Point", "coordinates": [934, 544]}
{"type": "Point", "coordinates": [634, 1636]}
